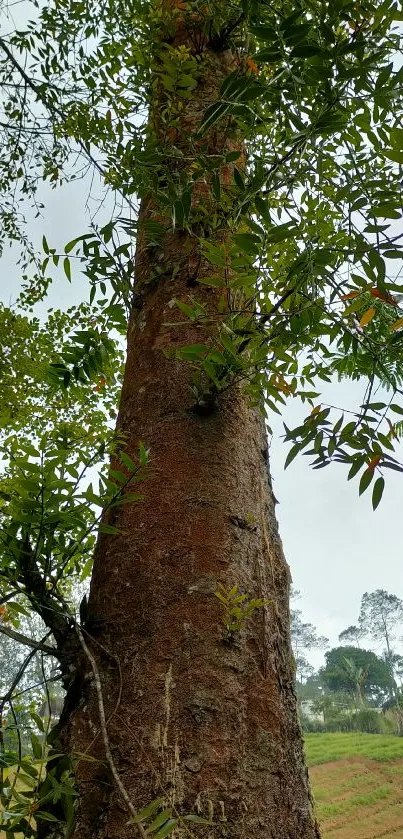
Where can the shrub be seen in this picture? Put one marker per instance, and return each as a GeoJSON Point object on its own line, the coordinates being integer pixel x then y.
{"type": "Point", "coordinates": [369, 721]}
{"type": "Point", "coordinates": [393, 722]}
{"type": "Point", "coordinates": [341, 722]}
{"type": "Point", "coordinates": [311, 726]}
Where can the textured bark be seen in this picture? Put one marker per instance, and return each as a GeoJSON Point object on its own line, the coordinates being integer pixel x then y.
{"type": "Point", "coordinates": [206, 721]}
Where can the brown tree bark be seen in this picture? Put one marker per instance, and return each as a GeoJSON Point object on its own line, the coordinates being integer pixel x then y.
{"type": "Point", "coordinates": [204, 719]}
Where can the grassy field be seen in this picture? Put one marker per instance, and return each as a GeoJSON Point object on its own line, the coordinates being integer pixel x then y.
{"type": "Point", "coordinates": [357, 781]}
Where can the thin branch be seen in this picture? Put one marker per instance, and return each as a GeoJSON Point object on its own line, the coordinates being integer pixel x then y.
{"type": "Point", "coordinates": [105, 736]}
{"type": "Point", "coordinates": [40, 684]}
{"type": "Point", "coordinates": [52, 108]}
{"type": "Point", "coordinates": [119, 697]}
{"type": "Point", "coordinates": [220, 39]}
{"type": "Point", "coordinates": [28, 642]}
{"type": "Point", "coordinates": [10, 595]}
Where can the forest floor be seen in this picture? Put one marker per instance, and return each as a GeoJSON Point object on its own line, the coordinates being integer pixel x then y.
{"type": "Point", "coordinates": [357, 782]}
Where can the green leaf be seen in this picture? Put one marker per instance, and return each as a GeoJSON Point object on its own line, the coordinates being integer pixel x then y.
{"type": "Point", "coordinates": [167, 828]}
{"type": "Point", "coordinates": [195, 819]}
{"type": "Point", "coordinates": [248, 243]}
{"type": "Point", "coordinates": [396, 138]}
{"type": "Point", "coordinates": [365, 481]}
{"type": "Point", "coordinates": [212, 115]}
{"type": "Point", "coordinates": [67, 268]}
{"type": "Point", "coordinates": [44, 816]}
{"type": "Point", "coordinates": [128, 462]}
{"type": "Point", "coordinates": [355, 468]}
{"type": "Point", "coordinates": [393, 154]}
{"type": "Point", "coordinates": [37, 720]}
{"type": "Point", "coordinates": [70, 245]}
{"type": "Point", "coordinates": [281, 232]}
{"type": "Point", "coordinates": [109, 529]}
{"type": "Point", "coordinates": [159, 820]}
{"type": "Point", "coordinates": [119, 476]}
{"type": "Point", "coordinates": [348, 430]}
{"type": "Point", "coordinates": [146, 811]}
{"type": "Point", "coordinates": [377, 492]}
{"type": "Point", "coordinates": [268, 55]}
{"type": "Point", "coordinates": [193, 351]}
{"type": "Point", "coordinates": [305, 51]}
{"type": "Point", "coordinates": [214, 282]}
{"type": "Point", "coordinates": [144, 455]}
{"type": "Point", "coordinates": [36, 745]}
{"type": "Point", "coordinates": [292, 454]}
{"type": "Point", "coordinates": [262, 207]}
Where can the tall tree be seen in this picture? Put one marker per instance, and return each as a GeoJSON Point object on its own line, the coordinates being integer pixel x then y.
{"type": "Point", "coordinates": [200, 699]}
{"type": "Point", "coordinates": [304, 638]}
{"type": "Point", "coordinates": [259, 194]}
{"type": "Point", "coordinates": [380, 616]}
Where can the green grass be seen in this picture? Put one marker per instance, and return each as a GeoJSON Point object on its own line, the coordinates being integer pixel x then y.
{"type": "Point", "coordinates": [357, 782]}
{"type": "Point", "coordinates": [355, 802]}
{"type": "Point", "coordinates": [325, 748]}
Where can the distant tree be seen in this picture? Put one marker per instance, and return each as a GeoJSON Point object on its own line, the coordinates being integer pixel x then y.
{"type": "Point", "coordinates": [303, 669]}
{"type": "Point", "coordinates": [357, 677]}
{"type": "Point", "coordinates": [360, 673]}
{"type": "Point", "coordinates": [398, 667]}
{"type": "Point", "coordinates": [352, 635]}
{"type": "Point", "coordinates": [312, 688]}
{"type": "Point", "coordinates": [380, 616]}
{"type": "Point", "coordinates": [304, 638]}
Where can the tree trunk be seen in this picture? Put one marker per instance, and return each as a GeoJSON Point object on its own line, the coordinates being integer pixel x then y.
{"type": "Point", "coordinates": [202, 717]}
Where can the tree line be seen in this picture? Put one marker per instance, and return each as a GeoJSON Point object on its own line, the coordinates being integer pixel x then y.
{"type": "Point", "coordinates": [354, 677]}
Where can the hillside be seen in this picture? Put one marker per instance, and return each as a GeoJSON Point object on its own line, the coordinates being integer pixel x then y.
{"type": "Point", "coordinates": [357, 782]}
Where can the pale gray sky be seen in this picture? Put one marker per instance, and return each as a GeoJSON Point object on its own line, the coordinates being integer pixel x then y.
{"type": "Point", "coordinates": [336, 545]}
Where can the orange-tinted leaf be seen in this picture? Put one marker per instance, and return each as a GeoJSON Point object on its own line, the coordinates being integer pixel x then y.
{"type": "Point", "coordinates": [397, 324]}
{"type": "Point", "coordinates": [280, 383]}
{"type": "Point", "coordinates": [382, 295]}
{"type": "Point", "coordinates": [251, 64]}
{"type": "Point", "coordinates": [101, 384]}
{"type": "Point", "coordinates": [350, 295]}
{"type": "Point", "coordinates": [367, 316]}
{"type": "Point", "coordinates": [374, 461]}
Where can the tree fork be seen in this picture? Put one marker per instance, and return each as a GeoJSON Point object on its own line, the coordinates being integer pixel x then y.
{"type": "Point", "coordinates": [207, 721]}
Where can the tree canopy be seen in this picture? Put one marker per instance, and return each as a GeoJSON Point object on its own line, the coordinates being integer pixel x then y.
{"type": "Point", "coordinates": [314, 248]}
{"type": "Point", "coordinates": [352, 669]}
